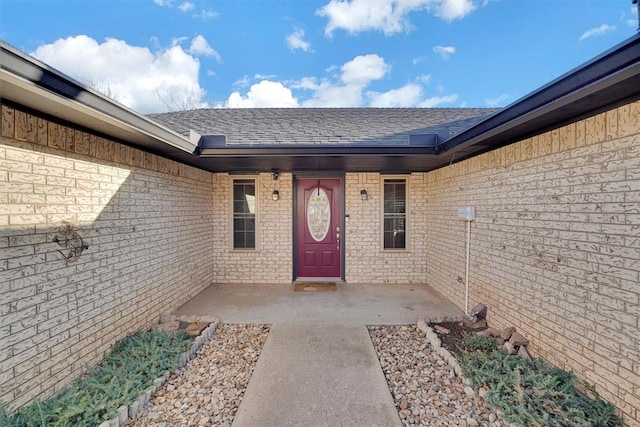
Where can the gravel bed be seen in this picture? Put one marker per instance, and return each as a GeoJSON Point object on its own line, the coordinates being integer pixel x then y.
{"type": "Point", "coordinates": [424, 387]}
{"type": "Point", "coordinates": [209, 389]}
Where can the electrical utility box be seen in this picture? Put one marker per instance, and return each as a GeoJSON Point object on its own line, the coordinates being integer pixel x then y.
{"type": "Point", "coordinates": [467, 213]}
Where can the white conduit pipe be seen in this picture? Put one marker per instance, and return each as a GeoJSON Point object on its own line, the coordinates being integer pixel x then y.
{"type": "Point", "coordinates": [466, 273]}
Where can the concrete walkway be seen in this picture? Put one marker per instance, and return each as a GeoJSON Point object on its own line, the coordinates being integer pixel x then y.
{"type": "Point", "coordinates": [350, 304]}
{"type": "Point", "coordinates": [318, 366]}
{"type": "Point", "coordinates": [317, 374]}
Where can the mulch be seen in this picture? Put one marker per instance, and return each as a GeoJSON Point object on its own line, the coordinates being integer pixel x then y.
{"type": "Point", "coordinates": [453, 340]}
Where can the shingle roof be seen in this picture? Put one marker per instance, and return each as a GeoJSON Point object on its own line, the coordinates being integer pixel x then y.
{"type": "Point", "coordinates": [310, 126]}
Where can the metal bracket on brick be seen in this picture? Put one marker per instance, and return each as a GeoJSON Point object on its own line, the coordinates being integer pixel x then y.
{"type": "Point", "coordinates": [71, 242]}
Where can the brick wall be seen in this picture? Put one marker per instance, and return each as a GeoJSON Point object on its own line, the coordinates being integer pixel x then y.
{"type": "Point", "coordinates": [366, 262]}
{"type": "Point", "coordinates": [147, 221]}
{"type": "Point", "coordinates": [555, 249]}
{"type": "Point", "coordinates": [272, 260]}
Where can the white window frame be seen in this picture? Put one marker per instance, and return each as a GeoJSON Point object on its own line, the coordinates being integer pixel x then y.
{"type": "Point", "coordinates": [256, 182]}
{"type": "Point", "coordinates": [407, 239]}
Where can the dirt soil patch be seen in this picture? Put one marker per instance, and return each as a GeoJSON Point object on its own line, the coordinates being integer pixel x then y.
{"type": "Point", "coordinates": [453, 340]}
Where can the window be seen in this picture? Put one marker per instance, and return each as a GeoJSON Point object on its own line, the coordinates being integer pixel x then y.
{"type": "Point", "coordinates": [244, 214]}
{"type": "Point", "coordinates": [395, 213]}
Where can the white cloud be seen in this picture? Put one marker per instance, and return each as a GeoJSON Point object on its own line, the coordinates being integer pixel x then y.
{"type": "Point", "coordinates": [497, 101]}
{"type": "Point", "coordinates": [631, 21]}
{"type": "Point", "coordinates": [243, 82]}
{"type": "Point", "coordinates": [444, 51]}
{"type": "Point", "coordinates": [346, 86]}
{"type": "Point", "coordinates": [266, 94]}
{"type": "Point", "coordinates": [296, 40]}
{"type": "Point", "coordinates": [162, 2]}
{"type": "Point", "coordinates": [200, 46]}
{"type": "Point", "coordinates": [437, 100]}
{"type": "Point", "coordinates": [407, 96]}
{"type": "Point", "coordinates": [136, 77]}
{"type": "Point", "coordinates": [349, 88]}
{"type": "Point", "coordinates": [418, 59]}
{"type": "Point", "coordinates": [186, 6]}
{"type": "Point", "coordinates": [597, 31]}
{"type": "Point", "coordinates": [206, 15]}
{"type": "Point", "coordinates": [388, 16]}
{"type": "Point", "coordinates": [259, 76]}
{"type": "Point", "coordinates": [424, 79]}
{"type": "Point", "coordinates": [450, 10]}
{"type": "Point", "coordinates": [327, 94]}
{"type": "Point", "coordinates": [363, 69]}
{"type": "Point", "coordinates": [178, 40]}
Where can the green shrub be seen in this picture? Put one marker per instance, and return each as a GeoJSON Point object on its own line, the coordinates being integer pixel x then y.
{"type": "Point", "coordinates": [473, 342]}
{"type": "Point", "coordinates": [131, 367]}
{"type": "Point", "coordinates": [534, 393]}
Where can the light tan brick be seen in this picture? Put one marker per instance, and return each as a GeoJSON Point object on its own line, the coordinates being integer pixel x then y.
{"type": "Point", "coordinates": [78, 187]}
{"type": "Point", "coordinates": [576, 304]}
{"type": "Point", "coordinates": [8, 122]}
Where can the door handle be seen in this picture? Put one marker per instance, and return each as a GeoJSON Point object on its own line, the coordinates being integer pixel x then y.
{"type": "Point", "coordinates": [338, 241]}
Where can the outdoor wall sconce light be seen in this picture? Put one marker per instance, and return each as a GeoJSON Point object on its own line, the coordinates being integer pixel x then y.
{"type": "Point", "coordinates": [363, 195]}
{"type": "Point", "coordinates": [274, 174]}
{"type": "Point", "coordinates": [275, 195]}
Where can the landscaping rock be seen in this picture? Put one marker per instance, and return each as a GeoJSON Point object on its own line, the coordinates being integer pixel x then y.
{"type": "Point", "coordinates": [493, 332]}
{"type": "Point", "coordinates": [194, 329]}
{"type": "Point", "coordinates": [123, 414]}
{"type": "Point", "coordinates": [420, 380]}
{"type": "Point", "coordinates": [506, 332]}
{"type": "Point", "coordinates": [517, 339]}
{"type": "Point", "coordinates": [474, 324]}
{"type": "Point", "coordinates": [478, 312]}
{"type": "Point", "coordinates": [471, 422]}
{"type": "Point", "coordinates": [442, 330]}
{"type": "Point", "coordinates": [209, 388]}
{"type": "Point", "coordinates": [170, 326]}
{"type": "Point", "coordinates": [524, 353]}
{"type": "Point", "coordinates": [509, 348]}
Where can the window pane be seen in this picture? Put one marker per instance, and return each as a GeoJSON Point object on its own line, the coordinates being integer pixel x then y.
{"type": "Point", "coordinates": [238, 240]}
{"type": "Point", "coordinates": [250, 240]}
{"type": "Point", "coordinates": [244, 211]}
{"type": "Point", "coordinates": [394, 196]}
{"type": "Point", "coordinates": [388, 240]}
{"type": "Point", "coordinates": [394, 214]}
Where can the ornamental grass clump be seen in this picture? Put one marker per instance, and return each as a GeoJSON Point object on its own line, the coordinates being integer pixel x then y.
{"type": "Point", "coordinates": [473, 342]}
{"type": "Point", "coordinates": [533, 393]}
{"type": "Point", "coordinates": [130, 368]}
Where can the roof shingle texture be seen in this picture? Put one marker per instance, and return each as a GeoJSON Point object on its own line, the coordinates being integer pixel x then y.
{"type": "Point", "coordinates": [309, 126]}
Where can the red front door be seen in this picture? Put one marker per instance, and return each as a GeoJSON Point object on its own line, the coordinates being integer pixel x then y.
{"type": "Point", "coordinates": [318, 233]}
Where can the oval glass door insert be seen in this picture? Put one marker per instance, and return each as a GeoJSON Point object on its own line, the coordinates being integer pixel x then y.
{"type": "Point", "coordinates": [318, 214]}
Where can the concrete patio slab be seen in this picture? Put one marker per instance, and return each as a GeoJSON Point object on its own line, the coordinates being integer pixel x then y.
{"type": "Point", "coordinates": [317, 374]}
{"type": "Point", "coordinates": [350, 304]}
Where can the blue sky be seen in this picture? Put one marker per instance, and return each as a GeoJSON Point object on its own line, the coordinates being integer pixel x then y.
{"type": "Point", "coordinates": [159, 55]}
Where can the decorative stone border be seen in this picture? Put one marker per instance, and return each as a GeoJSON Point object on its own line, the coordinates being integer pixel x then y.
{"type": "Point", "coordinates": [125, 413]}
{"type": "Point", "coordinates": [435, 342]}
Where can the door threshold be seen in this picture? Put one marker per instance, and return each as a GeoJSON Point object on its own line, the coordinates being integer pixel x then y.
{"type": "Point", "coordinates": [318, 279]}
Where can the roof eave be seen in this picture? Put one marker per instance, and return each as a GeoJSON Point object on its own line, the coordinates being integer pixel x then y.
{"type": "Point", "coordinates": [30, 83]}
{"type": "Point", "coordinates": [607, 81]}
